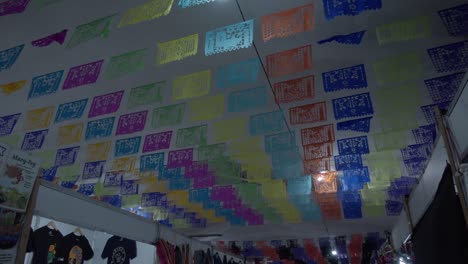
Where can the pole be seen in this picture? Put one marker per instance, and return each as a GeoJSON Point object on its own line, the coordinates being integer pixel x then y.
{"type": "Point", "coordinates": [24, 238]}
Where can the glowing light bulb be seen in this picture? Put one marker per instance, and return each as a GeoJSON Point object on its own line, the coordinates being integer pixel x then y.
{"type": "Point", "coordinates": [320, 179]}
{"type": "Point", "coordinates": [334, 253]}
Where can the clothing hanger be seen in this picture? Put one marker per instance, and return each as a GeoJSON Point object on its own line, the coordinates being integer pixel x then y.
{"type": "Point", "coordinates": [77, 231]}
{"type": "Point", "coordinates": [51, 225]}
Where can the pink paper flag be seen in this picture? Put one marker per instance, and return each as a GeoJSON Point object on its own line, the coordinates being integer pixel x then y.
{"type": "Point", "coordinates": [180, 158]}
{"type": "Point", "coordinates": [13, 7]}
{"type": "Point", "coordinates": [58, 37]}
{"type": "Point", "coordinates": [131, 123]}
{"type": "Point", "coordinates": [105, 104]}
{"type": "Point", "coordinates": [157, 141]}
{"type": "Point", "coordinates": [83, 74]}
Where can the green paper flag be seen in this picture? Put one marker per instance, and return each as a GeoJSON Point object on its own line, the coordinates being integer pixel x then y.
{"type": "Point", "coordinates": [127, 63]}
{"type": "Point", "coordinates": [148, 94]}
{"type": "Point", "coordinates": [94, 29]}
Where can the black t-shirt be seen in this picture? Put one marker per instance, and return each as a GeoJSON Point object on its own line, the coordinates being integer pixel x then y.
{"type": "Point", "coordinates": [119, 250]}
{"type": "Point", "coordinates": [44, 245]}
{"type": "Point", "coordinates": [73, 249]}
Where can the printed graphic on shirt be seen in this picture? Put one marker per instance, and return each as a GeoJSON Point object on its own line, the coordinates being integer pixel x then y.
{"type": "Point", "coordinates": [118, 255]}
{"type": "Point", "coordinates": [51, 254]}
{"type": "Point", "coordinates": [75, 256]}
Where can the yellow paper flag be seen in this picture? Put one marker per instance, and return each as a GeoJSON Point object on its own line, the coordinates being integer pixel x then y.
{"type": "Point", "coordinates": [11, 140]}
{"type": "Point", "coordinates": [47, 158]}
{"type": "Point", "coordinates": [177, 49]}
{"type": "Point", "coordinates": [192, 85]}
{"type": "Point", "coordinates": [398, 69]}
{"type": "Point", "coordinates": [124, 164]}
{"type": "Point", "coordinates": [147, 11]}
{"type": "Point", "coordinates": [39, 118]}
{"type": "Point", "coordinates": [98, 151]}
{"type": "Point", "coordinates": [206, 108]}
{"type": "Point", "coordinates": [70, 134]}
{"type": "Point", "coordinates": [10, 88]}
{"type": "Point", "coordinates": [404, 30]}
{"type": "Point", "coordinates": [69, 173]}
{"type": "Point", "coordinates": [228, 129]}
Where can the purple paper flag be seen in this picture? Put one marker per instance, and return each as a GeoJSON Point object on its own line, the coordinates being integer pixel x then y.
{"type": "Point", "coordinates": [131, 123]}
{"type": "Point", "coordinates": [105, 104]}
{"type": "Point", "coordinates": [58, 37]}
{"type": "Point", "coordinates": [157, 141]}
{"type": "Point", "coordinates": [83, 74]}
{"type": "Point", "coordinates": [180, 158]}
{"type": "Point", "coordinates": [13, 7]}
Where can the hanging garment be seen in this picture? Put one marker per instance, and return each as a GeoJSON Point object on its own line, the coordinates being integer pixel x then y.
{"type": "Point", "coordinates": [217, 259]}
{"type": "Point", "coordinates": [119, 250]}
{"type": "Point", "coordinates": [165, 252]}
{"type": "Point", "coordinates": [198, 257]}
{"type": "Point", "coordinates": [73, 249]}
{"type": "Point", "coordinates": [44, 245]}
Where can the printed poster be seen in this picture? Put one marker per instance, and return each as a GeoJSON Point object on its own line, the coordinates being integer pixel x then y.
{"type": "Point", "coordinates": [18, 171]}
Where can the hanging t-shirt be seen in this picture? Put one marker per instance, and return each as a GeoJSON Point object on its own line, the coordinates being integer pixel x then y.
{"type": "Point", "coordinates": [73, 249]}
{"type": "Point", "coordinates": [119, 250]}
{"type": "Point", "coordinates": [44, 245]}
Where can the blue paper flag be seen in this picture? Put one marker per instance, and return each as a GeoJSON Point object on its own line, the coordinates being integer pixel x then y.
{"type": "Point", "coordinates": [129, 187]}
{"type": "Point", "coordinates": [351, 39]}
{"type": "Point", "coordinates": [334, 8]}
{"type": "Point", "coordinates": [113, 179]}
{"type": "Point", "coordinates": [100, 128]}
{"type": "Point", "coordinates": [444, 88]}
{"type": "Point", "coordinates": [114, 200]}
{"type": "Point", "coordinates": [93, 170]}
{"type": "Point", "coordinates": [267, 123]}
{"type": "Point", "coordinates": [415, 167]}
{"type": "Point", "coordinates": [229, 38]}
{"type": "Point", "coordinates": [238, 73]}
{"type": "Point", "coordinates": [71, 110]}
{"type": "Point", "coordinates": [127, 146]}
{"type": "Point", "coordinates": [393, 208]}
{"type": "Point", "coordinates": [9, 56]}
{"type": "Point", "coordinates": [86, 188]}
{"type": "Point", "coordinates": [425, 134]}
{"type": "Point", "coordinates": [346, 78]}
{"type": "Point", "coordinates": [455, 19]}
{"type": "Point", "coordinates": [66, 156]}
{"type": "Point", "coordinates": [346, 162]}
{"type": "Point", "coordinates": [352, 106]}
{"type": "Point", "coordinates": [152, 162]}
{"type": "Point", "coordinates": [280, 142]}
{"type": "Point", "coordinates": [34, 140]}
{"type": "Point", "coordinates": [417, 151]}
{"type": "Point", "coordinates": [355, 145]}
{"type": "Point", "coordinates": [358, 125]}
{"type": "Point", "coordinates": [190, 3]}
{"type": "Point", "coordinates": [45, 84]}
{"type": "Point", "coordinates": [361, 174]}
{"type": "Point", "coordinates": [452, 57]}
{"type": "Point", "coordinates": [7, 124]}
{"type": "Point", "coordinates": [352, 210]}
{"type": "Point", "coordinates": [247, 100]}
{"type": "Point", "coordinates": [300, 186]}
{"type": "Point", "coordinates": [48, 174]}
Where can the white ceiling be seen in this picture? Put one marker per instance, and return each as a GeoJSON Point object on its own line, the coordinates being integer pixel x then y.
{"type": "Point", "coordinates": [66, 14]}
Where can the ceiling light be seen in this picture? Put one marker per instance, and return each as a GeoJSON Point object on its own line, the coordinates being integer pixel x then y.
{"type": "Point", "coordinates": [334, 253]}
